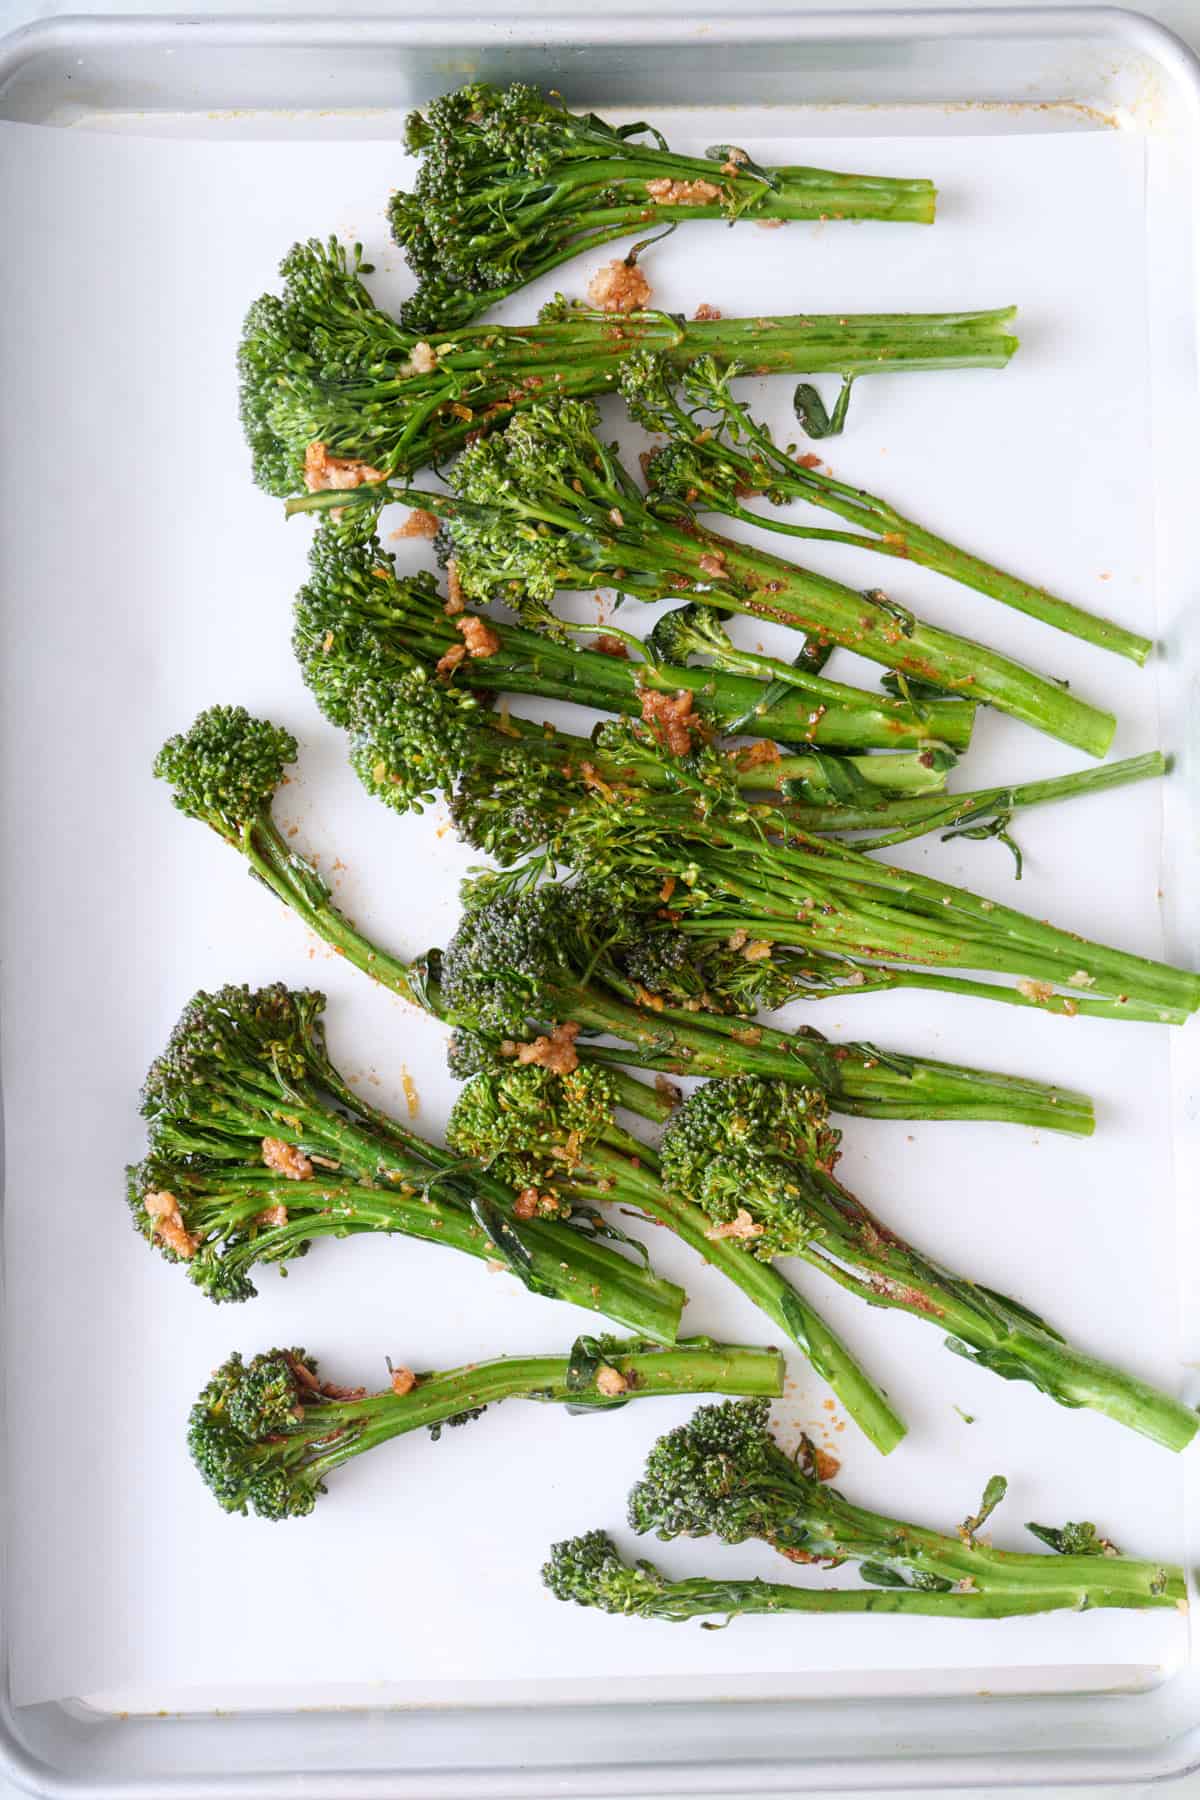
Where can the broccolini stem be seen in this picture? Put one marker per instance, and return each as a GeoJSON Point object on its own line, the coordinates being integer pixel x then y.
{"type": "Point", "coordinates": [912, 816]}
{"type": "Point", "coordinates": [697, 1597]}
{"type": "Point", "coordinates": [853, 1249]}
{"type": "Point", "coordinates": [888, 911]}
{"type": "Point", "coordinates": [692, 1366]}
{"type": "Point", "coordinates": [767, 1288]}
{"type": "Point", "coordinates": [765, 465]}
{"type": "Point", "coordinates": [821, 977]}
{"type": "Point", "coordinates": [857, 1078]}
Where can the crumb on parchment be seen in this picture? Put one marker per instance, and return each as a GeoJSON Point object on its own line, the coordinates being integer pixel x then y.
{"type": "Point", "coordinates": [419, 524]}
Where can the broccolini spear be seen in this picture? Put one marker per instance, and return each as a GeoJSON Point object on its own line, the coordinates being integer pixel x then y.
{"type": "Point", "coordinates": [590, 1571]}
{"type": "Point", "coordinates": [390, 702]}
{"type": "Point", "coordinates": [734, 866]}
{"type": "Point", "coordinates": [512, 185]}
{"type": "Point", "coordinates": [366, 682]}
{"type": "Point", "coordinates": [354, 607]}
{"type": "Point", "coordinates": [546, 505]}
{"type": "Point", "coordinates": [718, 455]}
{"type": "Point", "coordinates": [723, 1475]}
{"type": "Point", "coordinates": [257, 1146]}
{"type": "Point", "coordinates": [519, 964]}
{"type": "Point", "coordinates": [554, 1139]}
{"type": "Point", "coordinates": [554, 957]}
{"type": "Point", "coordinates": [759, 1156]}
{"type": "Point", "coordinates": [265, 1434]}
{"type": "Point", "coordinates": [335, 392]}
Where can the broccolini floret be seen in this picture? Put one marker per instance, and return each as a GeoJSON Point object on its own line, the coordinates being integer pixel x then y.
{"type": "Point", "coordinates": [336, 394]}
{"type": "Point", "coordinates": [758, 1158]}
{"type": "Point", "coordinates": [546, 504]}
{"type": "Point", "coordinates": [556, 1139]}
{"type": "Point", "coordinates": [354, 614]}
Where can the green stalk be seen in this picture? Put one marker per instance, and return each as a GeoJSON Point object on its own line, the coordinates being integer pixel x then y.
{"type": "Point", "coordinates": [696, 1597]}
{"type": "Point", "coordinates": [849, 903]}
{"type": "Point", "coordinates": [857, 1078]}
{"type": "Point", "coordinates": [912, 816]}
{"type": "Point", "coordinates": [763, 1285]}
{"type": "Point", "coordinates": [755, 462]}
{"type": "Point", "coordinates": [656, 559]}
{"type": "Point", "coordinates": [851, 1247]}
{"type": "Point", "coordinates": [694, 1366]}
{"type": "Point", "coordinates": [821, 977]}
{"type": "Point", "coordinates": [407, 617]}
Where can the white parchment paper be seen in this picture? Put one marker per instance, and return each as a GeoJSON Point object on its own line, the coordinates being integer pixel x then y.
{"type": "Point", "coordinates": [144, 578]}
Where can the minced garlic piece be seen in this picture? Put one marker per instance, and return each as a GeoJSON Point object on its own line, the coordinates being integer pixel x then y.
{"type": "Point", "coordinates": [742, 1227]}
{"type": "Point", "coordinates": [619, 287]}
{"type": "Point", "coordinates": [682, 193]}
{"type": "Point", "coordinates": [285, 1159]}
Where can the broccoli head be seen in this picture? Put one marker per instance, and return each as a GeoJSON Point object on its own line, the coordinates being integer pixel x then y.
{"type": "Point", "coordinates": [214, 1221]}
{"type": "Point", "coordinates": [411, 738]}
{"type": "Point", "coordinates": [752, 1154]}
{"type": "Point", "coordinates": [686, 632]}
{"type": "Point", "coordinates": [263, 1433]}
{"type": "Point", "coordinates": [301, 363]}
{"type": "Point", "coordinates": [225, 770]}
{"type": "Point", "coordinates": [504, 954]}
{"type": "Point", "coordinates": [531, 1126]}
{"type": "Point", "coordinates": [721, 1475]}
{"type": "Point", "coordinates": [346, 617]}
{"type": "Point", "coordinates": [589, 1571]}
{"type": "Point", "coordinates": [223, 1039]}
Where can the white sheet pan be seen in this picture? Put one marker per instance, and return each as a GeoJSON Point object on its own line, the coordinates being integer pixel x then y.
{"type": "Point", "coordinates": [174, 589]}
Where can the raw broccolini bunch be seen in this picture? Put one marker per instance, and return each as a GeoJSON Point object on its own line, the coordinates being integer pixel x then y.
{"type": "Point", "coordinates": [723, 1475]}
{"type": "Point", "coordinates": [265, 1435]}
{"type": "Point", "coordinates": [718, 456]}
{"type": "Point", "coordinates": [335, 393]}
{"type": "Point", "coordinates": [257, 1146]}
{"type": "Point", "coordinates": [758, 1158]}
{"type": "Point", "coordinates": [546, 505]}
{"type": "Point", "coordinates": [512, 185]}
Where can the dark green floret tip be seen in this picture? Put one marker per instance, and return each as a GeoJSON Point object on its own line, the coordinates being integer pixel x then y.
{"type": "Point", "coordinates": [719, 1474]}
{"type": "Point", "coordinates": [226, 768]}
{"type": "Point", "coordinates": [239, 1433]}
{"type": "Point", "coordinates": [589, 1571]}
{"type": "Point", "coordinates": [746, 1147]}
{"type": "Point", "coordinates": [529, 1125]}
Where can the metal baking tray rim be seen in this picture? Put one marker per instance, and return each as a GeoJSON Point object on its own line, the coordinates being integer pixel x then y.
{"type": "Point", "coordinates": [65, 1749]}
